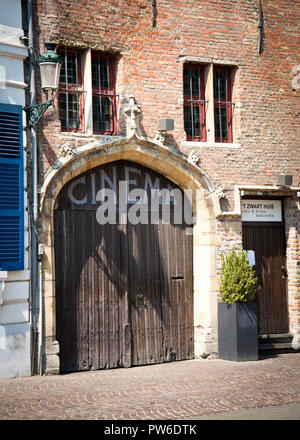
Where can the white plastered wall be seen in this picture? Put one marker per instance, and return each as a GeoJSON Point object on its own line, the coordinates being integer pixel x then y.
{"type": "Point", "coordinates": [14, 308]}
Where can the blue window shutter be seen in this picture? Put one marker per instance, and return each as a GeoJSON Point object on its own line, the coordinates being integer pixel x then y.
{"type": "Point", "coordinates": [11, 188]}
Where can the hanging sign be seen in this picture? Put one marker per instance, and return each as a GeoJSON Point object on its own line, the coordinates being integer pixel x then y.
{"type": "Point", "coordinates": [261, 210]}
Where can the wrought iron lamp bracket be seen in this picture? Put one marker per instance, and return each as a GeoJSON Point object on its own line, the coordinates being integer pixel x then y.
{"type": "Point", "coordinates": [35, 112]}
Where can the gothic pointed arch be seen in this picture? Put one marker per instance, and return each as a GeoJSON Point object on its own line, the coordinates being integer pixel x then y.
{"type": "Point", "coordinates": [171, 164]}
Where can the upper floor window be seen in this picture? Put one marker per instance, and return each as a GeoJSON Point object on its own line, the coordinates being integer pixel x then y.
{"type": "Point", "coordinates": [222, 104]}
{"type": "Point", "coordinates": [194, 102]}
{"type": "Point", "coordinates": [104, 96]}
{"type": "Point", "coordinates": [71, 93]}
{"type": "Point", "coordinates": [87, 96]}
{"type": "Point", "coordinates": [208, 106]}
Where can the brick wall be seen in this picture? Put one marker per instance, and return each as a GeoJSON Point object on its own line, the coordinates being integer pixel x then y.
{"type": "Point", "coordinates": [292, 219]}
{"type": "Point", "coordinates": [267, 126]}
{"type": "Point", "coordinates": [230, 234]}
{"type": "Point", "coordinates": [266, 112]}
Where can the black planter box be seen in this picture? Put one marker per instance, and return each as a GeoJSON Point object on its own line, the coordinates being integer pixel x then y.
{"type": "Point", "coordinates": [238, 331]}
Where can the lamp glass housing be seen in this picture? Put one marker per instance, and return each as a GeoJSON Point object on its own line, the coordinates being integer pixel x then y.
{"type": "Point", "coordinates": [50, 75]}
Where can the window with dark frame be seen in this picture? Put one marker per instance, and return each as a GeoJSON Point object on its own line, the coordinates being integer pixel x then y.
{"type": "Point", "coordinates": [194, 102]}
{"type": "Point", "coordinates": [104, 97]}
{"type": "Point", "coordinates": [71, 93]}
{"type": "Point", "coordinates": [222, 104]}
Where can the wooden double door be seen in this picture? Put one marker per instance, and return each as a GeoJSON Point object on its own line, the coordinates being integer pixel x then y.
{"type": "Point", "coordinates": [268, 242]}
{"type": "Point", "coordinates": [124, 291]}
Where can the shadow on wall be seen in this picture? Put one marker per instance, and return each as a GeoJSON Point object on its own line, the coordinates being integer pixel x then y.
{"type": "Point", "coordinates": [114, 288]}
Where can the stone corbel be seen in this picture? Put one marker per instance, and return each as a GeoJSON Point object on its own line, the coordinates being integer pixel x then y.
{"type": "Point", "coordinates": [132, 110]}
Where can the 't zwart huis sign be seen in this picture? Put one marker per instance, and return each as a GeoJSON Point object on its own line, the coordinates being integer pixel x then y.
{"type": "Point", "coordinates": [261, 210]}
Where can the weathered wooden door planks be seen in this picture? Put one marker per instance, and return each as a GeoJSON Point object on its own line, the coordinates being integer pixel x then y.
{"type": "Point", "coordinates": [268, 242]}
{"type": "Point", "coordinates": [124, 291]}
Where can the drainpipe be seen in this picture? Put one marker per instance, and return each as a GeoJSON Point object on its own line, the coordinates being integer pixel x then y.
{"type": "Point", "coordinates": [34, 208]}
{"type": "Point", "coordinates": [33, 102]}
{"type": "Point", "coordinates": [40, 321]}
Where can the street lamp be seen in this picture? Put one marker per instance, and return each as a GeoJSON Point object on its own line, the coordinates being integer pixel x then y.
{"type": "Point", "coordinates": [50, 65]}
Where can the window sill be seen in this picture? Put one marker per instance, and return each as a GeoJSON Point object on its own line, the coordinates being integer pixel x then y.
{"type": "Point", "coordinates": [75, 134]}
{"type": "Point", "coordinates": [82, 135]}
{"type": "Point", "coordinates": [210, 144]}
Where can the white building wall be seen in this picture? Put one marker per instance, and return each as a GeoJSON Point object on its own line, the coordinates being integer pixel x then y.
{"type": "Point", "coordinates": [14, 300]}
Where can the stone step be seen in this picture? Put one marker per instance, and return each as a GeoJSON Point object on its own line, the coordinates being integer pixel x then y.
{"type": "Point", "coordinates": [275, 337]}
{"type": "Point", "coordinates": [275, 343]}
{"type": "Point", "coordinates": [276, 346]}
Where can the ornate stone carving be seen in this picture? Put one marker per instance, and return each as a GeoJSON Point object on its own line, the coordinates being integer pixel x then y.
{"type": "Point", "coordinates": [160, 136]}
{"type": "Point", "coordinates": [193, 158]}
{"type": "Point", "coordinates": [220, 192]}
{"type": "Point", "coordinates": [132, 110]}
{"type": "Point", "coordinates": [67, 150]}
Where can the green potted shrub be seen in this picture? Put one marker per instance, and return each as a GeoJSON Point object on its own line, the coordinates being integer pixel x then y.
{"type": "Point", "coordinates": [237, 309]}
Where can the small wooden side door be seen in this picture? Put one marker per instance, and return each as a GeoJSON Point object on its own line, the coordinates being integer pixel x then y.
{"type": "Point", "coordinates": [268, 242]}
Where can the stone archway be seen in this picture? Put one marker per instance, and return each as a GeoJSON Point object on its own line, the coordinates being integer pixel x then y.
{"type": "Point", "coordinates": [176, 168]}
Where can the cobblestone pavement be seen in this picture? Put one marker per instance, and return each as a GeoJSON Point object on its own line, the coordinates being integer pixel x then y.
{"type": "Point", "coordinates": [175, 391]}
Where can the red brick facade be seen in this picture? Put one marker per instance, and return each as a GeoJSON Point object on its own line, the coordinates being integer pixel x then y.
{"type": "Point", "coordinates": [266, 113]}
{"type": "Point", "coordinates": [267, 108]}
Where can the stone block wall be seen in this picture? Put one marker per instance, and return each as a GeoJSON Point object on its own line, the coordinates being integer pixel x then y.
{"type": "Point", "coordinates": [15, 337]}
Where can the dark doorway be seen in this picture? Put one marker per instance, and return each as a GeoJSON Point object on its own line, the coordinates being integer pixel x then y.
{"type": "Point", "coordinates": [124, 292]}
{"type": "Point", "coordinates": [268, 242]}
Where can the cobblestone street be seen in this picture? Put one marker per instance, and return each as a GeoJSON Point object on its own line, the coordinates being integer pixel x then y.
{"type": "Point", "coordinates": [176, 391]}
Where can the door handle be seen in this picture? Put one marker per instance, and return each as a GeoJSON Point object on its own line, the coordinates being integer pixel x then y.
{"type": "Point", "coordinates": [283, 272]}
